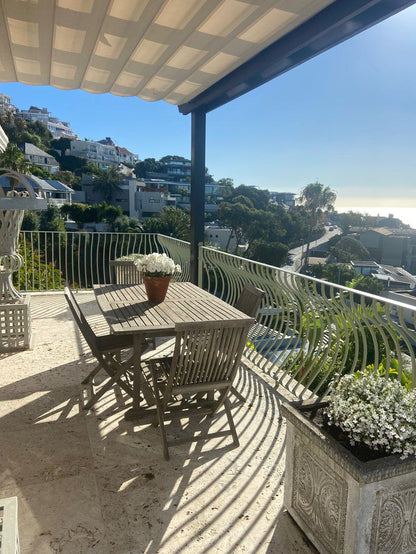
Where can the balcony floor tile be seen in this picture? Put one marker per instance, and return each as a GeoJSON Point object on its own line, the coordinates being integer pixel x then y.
{"type": "Point", "coordinates": [91, 482]}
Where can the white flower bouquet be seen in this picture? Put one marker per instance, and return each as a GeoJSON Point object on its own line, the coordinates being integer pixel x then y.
{"type": "Point", "coordinates": [157, 265]}
{"type": "Point", "coordinates": [375, 411]}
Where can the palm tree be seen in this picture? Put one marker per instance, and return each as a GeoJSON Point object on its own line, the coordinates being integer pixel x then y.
{"type": "Point", "coordinates": [108, 181]}
{"type": "Point", "coordinates": [318, 200]}
{"type": "Point", "coordinates": [13, 158]}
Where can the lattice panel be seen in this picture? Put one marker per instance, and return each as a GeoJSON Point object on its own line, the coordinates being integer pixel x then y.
{"type": "Point", "coordinates": [15, 327]}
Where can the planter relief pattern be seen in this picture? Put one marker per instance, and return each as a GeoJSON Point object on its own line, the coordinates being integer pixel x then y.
{"type": "Point", "coordinates": [342, 504]}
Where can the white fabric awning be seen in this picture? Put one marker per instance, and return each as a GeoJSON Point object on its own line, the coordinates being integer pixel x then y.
{"type": "Point", "coordinates": [154, 49]}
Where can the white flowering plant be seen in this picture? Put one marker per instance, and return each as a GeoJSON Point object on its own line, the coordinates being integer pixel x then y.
{"type": "Point", "coordinates": [376, 411]}
{"type": "Point", "coordinates": [157, 265]}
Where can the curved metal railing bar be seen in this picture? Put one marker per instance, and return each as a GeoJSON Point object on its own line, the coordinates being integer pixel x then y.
{"type": "Point", "coordinates": [309, 331]}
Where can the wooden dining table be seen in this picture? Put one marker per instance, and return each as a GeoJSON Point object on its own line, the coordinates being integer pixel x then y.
{"type": "Point", "coordinates": [127, 310]}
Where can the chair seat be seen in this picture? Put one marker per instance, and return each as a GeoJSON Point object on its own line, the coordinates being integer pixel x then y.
{"type": "Point", "coordinates": [163, 351]}
{"type": "Point", "coordinates": [108, 343]}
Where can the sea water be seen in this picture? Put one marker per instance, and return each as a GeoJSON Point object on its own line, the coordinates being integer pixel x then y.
{"type": "Point", "coordinates": [406, 215]}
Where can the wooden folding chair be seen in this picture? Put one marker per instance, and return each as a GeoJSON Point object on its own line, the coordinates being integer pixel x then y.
{"type": "Point", "coordinates": [106, 349]}
{"type": "Point", "coordinates": [250, 299]}
{"type": "Point", "coordinates": [249, 303]}
{"type": "Point", "coordinates": [125, 272]}
{"type": "Point", "coordinates": [205, 360]}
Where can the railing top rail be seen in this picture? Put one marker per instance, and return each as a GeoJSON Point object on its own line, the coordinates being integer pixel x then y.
{"type": "Point", "coordinates": [341, 288]}
{"type": "Point", "coordinates": [172, 238]}
{"type": "Point", "coordinates": [82, 231]}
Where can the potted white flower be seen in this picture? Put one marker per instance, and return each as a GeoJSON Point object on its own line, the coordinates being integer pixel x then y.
{"type": "Point", "coordinates": [350, 480]}
{"type": "Point", "coordinates": [157, 270]}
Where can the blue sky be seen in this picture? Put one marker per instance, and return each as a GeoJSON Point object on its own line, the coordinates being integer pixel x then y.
{"type": "Point", "coordinates": [346, 118]}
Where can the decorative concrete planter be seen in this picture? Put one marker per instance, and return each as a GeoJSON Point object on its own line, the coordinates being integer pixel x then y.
{"type": "Point", "coordinates": [344, 505]}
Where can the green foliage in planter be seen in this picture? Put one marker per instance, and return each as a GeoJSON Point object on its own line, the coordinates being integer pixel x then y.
{"type": "Point", "coordinates": [392, 372]}
{"type": "Point", "coordinates": [340, 352]}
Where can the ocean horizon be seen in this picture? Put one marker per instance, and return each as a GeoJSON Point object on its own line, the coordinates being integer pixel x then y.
{"type": "Point", "coordinates": [406, 215]}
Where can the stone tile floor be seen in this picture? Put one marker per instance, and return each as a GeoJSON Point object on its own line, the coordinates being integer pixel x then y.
{"type": "Point", "coordinates": [91, 482]}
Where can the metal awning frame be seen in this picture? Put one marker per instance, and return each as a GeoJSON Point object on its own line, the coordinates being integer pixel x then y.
{"type": "Point", "coordinates": [336, 23]}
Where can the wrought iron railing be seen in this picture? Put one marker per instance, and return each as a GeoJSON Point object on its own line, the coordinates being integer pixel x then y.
{"type": "Point", "coordinates": [307, 330]}
{"type": "Point", "coordinates": [180, 252]}
{"type": "Point", "coordinates": [82, 258]}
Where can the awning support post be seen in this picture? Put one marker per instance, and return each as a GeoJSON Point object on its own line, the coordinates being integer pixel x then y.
{"type": "Point", "coordinates": [197, 188]}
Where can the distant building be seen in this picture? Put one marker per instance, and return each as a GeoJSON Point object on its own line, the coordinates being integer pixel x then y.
{"type": "Point", "coordinates": [365, 268]}
{"type": "Point", "coordinates": [58, 128]}
{"type": "Point", "coordinates": [404, 297]}
{"type": "Point", "coordinates": [38, 157]}
{"type": "Point", "coordinates": [391, 277]}
{"type": "Point", "coordinates": [286, 199]}
{"type": "Point", "coordinates": [103, 154]}
{"type": "Point", "coordinates": [125, 156]}
{"type": "Point", "coordinates": [93, 194]}
{"type": "Point", "coordinates": [147, 203]}
{"type": "Point", "coordinates": [222, 237]}
{"type": "Point", "coordinates": [396, 247]}
{"type": "Point", "coordinates": [6, 105]}
{"type": "Point", "coordinates": [54, 191]}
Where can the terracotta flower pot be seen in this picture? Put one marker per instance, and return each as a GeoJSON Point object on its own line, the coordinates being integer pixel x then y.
{"type": "Point", "coordinates": [156, 287]}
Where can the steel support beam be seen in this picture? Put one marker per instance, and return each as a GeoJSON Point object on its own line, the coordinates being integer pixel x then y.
{"type": "Point", "coordinates": [197, 187]}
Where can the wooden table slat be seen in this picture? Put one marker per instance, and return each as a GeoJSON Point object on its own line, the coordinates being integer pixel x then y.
{"type": "Point", "coordinates": [127, 309]}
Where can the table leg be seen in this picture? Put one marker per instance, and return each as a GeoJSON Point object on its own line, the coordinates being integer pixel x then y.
{"type": "Point", "coordinates": [139, 384]}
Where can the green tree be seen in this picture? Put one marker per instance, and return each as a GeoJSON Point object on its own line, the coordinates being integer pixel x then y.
{"type": "Point", "coordinates": [235, 215]}
{"type": "Point", "coordinates": [366, 284]}
{"type": "Point", "coordinates": [108, 182]}
{"type": "Point", "coordinates": [318, 200]}
{"type": "Point", "coordinates": [51, 220]}
{"type": "Point", "coordinates": [271, 253]}
{"type": "Point", "coordinates": [68, 178]}
{"type": "Point", "coordinates": [30, 221]}
{"type": "Point", "coordinates": [141, 169]}
{"type": "Point", "coordinates": [259, 198]}
{"type": "Point", "coordinates": [339, 274]}
{"type": "Point", "coordinates": [172, 222]}
{"type": "Point", "coordinates": [41, 173]}
{"type": "Point", "coordinates": [13, 158]}
{"type": "Point", "coordinates": [125, 224]}
{"type": "Point", "coordinates": [347, 249]}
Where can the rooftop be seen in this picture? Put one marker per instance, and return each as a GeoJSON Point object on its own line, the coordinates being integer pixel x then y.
{"type": "Point", "coordinates": [89, 481]}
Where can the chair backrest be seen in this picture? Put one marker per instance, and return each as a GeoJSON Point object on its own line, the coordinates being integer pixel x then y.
{"type": "Point", "coordinates": [82, 322]}
{"type": "Point", "coordinates": [207, 355]}
{"type": "Point", "coordinates": [125, 272]}
{"type": "Point", "coordinates": [250, 299]}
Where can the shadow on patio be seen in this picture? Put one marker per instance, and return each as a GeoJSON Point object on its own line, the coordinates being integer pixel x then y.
{"type": "Point", "coordinates": [91, 482]}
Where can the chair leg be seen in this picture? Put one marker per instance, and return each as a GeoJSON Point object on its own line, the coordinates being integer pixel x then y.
{"type": "Point", "coordinates": [160, 416]}
{"type": "Point", "coordinates": [114, 379]}
{"type": "Point", "coordinates": [238, 395]}
{"type": "Point", "coordinates": [91, 375]}
{"type": "Point", "coordinates": [231, 422]}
